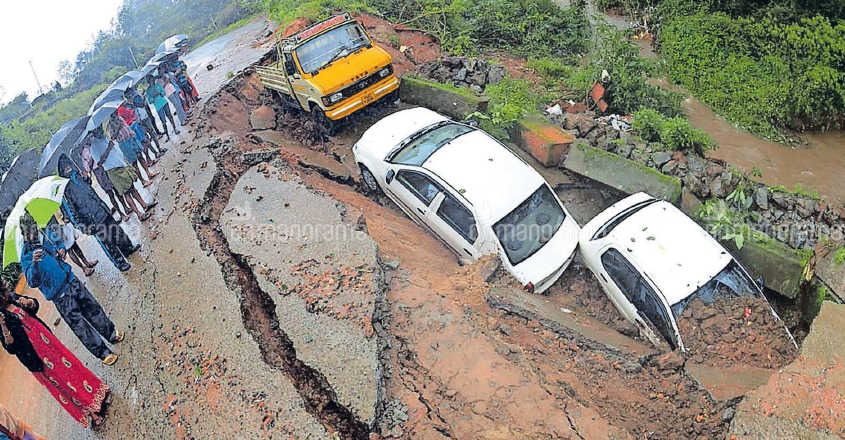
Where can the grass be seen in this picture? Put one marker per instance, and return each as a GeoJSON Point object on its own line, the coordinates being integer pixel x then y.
{"type": "Point", "coordinates": [219, 33]}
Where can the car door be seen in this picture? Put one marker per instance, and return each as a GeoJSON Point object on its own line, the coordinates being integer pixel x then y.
{"type": "Point", "coordinates": [456, 224]}
{"type": "Point", "coordinates": [414, 192]}
{"type": "Point", "coordinates": [628, 288]}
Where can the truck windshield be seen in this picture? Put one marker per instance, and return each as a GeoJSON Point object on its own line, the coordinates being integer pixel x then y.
{"type": "Point", "coordinates": [332, 45]}
{"type": "Point", "coordinates": [732, 281]}
{"type": "Point", "coordinates": [527, 228]}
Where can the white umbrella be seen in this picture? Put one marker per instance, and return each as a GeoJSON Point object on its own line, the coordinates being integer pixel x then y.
{"type": "Point", "coordinates": [41, 200]}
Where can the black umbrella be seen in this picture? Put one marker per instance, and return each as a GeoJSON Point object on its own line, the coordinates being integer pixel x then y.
{"type": "Point", "coordinates": [62, 141]}
{"type": "Point", "coordinates": [101, 114]}
{"type": "Point", "coordinates": [108, 95]}
{"type": "Point", "coordinates": [173, 43]}
{"type": "Point", "coordinates": [18, 178]}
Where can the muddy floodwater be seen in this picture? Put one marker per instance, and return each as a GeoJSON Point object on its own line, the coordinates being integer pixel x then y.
{"type": "Point", "coordinates": [816, 165]}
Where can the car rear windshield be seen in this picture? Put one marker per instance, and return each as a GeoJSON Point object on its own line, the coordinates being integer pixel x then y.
{"type": "Point", "coordinates": [528, 227]}
{"type": "Point", "coordinates": [330, 46]}
{"type": "Point", "coordinates": [421, 147]}
{"type": "Point", "coordinates": [732, 281]}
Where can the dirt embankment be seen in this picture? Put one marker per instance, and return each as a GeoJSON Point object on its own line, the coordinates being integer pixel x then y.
{"type": "Point", "coordinates": [735, 331]}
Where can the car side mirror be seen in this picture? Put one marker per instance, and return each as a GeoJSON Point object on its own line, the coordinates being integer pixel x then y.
{"type": "Point", "coordinates": [389, 177]}
{"type": "Point", "coordinates": [296, 76]}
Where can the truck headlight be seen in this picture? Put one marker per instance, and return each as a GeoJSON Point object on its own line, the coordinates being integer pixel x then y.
{"type": "Point", "coordinates": [333, 99]}
{"type": "Point", "coordinates": [384, 72]}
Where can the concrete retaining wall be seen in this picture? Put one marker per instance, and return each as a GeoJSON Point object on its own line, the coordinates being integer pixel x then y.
{"type": "Point", "coordinates": [781, 266]}
{"type": "Point", "coordinates": [442, 98]}
{"type": "Point", "coordinates": [620, 173]}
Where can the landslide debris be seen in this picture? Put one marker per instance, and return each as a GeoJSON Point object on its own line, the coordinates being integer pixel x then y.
{"type": "Point", "coordinates": [733, 331]}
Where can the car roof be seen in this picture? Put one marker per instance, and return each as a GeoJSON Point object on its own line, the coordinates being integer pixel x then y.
{"type": "Point", "coordinates": [671, 249]}
{"type": "Point", "coordinates": [486, 173]}
{"type": "Point", "coordinates": [383, 136]}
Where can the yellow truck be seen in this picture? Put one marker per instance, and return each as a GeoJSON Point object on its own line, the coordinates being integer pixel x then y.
{"type": "Point", "coordinates": [330, 70]}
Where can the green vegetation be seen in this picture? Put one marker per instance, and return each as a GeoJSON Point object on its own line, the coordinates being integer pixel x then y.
{"type": "Point", "coordinates": [629, 89]}
{"type": "Point", "coordinates": [673, 133]}
{"type": "Point", "coordinates": [730, 219]}
{"type": "Point", "coordinates": [839, 256]}
{"type": "Point", "coordinates": [510, 100]}
{"type": "Point", "coordinates": [764, 74]}
{"type": "Point", "coordinates": [797, 190]}
{"type": "Point", "coordinates": [464, 26]}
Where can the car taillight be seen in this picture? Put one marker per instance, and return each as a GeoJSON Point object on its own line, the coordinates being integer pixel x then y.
{"type": "Point", "coordinates": [529, 288]}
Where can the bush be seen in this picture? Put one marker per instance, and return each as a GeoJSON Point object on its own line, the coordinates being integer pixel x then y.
{"type": "Point", "coordinates": [538, 27]}
{"type": "Point", "coordinates": [648, 124]}
{"type": "Point", "coordinates": [629, 89]}
{"type": "Point", "coordinates": [763, 75]}
{"type": "Point", "coordinates": [677, 134]}
{"type": "Point", "coordinates": [673, 133]}
{"type": "Point", "coordinates": [510, 100]}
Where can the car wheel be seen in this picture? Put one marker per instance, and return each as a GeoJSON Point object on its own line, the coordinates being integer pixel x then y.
{"type": "Point", "coordinates": [369, 180]}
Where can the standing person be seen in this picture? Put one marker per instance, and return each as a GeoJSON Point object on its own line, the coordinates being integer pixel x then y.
{"type": "Point", "coordinates": [66, 234]}
{"type": "Point", "coordinates": [120, 133]}
{"type": "Point", "coordinates": [96, 140]}
{"type": "Point", "coordinates": [184, 68]}
{"type": "Point", "coordinates": [155, 94]}
{"type": "Point", "coordinates": [75, 387]}
{"type": "Point", "coordinates": [90, 215]}
{"type": "Point", "coordinates": [13, 428]}
{"type": "Point", "coordinates": [184, 83]}
{"type": "Point", "coordinates": [122, 177]}
{"type": "Point", "coordinates": [147, 122]}
{"type": "Point", "coordinates": [45, 269]}
{"type": "Point", "coordinates": [126, 111]}
{"type": "Point", "coordinates": [173, 95]}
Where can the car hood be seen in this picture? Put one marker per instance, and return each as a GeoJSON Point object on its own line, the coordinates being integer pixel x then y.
{"type": "Point", "coordinates": [350, 69]}
{"type": "Point", "coordinates": [549, 258]}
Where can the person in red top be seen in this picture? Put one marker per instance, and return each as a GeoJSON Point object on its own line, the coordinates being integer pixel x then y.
{"type": "Point", "coordinates": [127, 113]}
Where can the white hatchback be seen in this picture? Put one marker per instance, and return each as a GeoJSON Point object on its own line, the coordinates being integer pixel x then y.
{"type": "Point", "coordinates": [471, 192]}
{"type": "Point", "coordinates": [652, 260]}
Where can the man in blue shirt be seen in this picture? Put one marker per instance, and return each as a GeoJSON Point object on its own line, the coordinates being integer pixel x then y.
{"type": "Point", "coordinates": [45, 269]}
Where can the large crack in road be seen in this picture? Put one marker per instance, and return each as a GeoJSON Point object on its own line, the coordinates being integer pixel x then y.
{"type": "Point", "coordinates": [258, 311]}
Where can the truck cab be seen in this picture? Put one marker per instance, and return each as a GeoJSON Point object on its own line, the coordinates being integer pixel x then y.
{"type": "Point", "coordinates": [330, 70]}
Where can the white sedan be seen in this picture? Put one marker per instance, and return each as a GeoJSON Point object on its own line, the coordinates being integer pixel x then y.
{"type": "Point", "coordinates": [652, 261]}
{"type": "Point", "coordinates": [471, 192]}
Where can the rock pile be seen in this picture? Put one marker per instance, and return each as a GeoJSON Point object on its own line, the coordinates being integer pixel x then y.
{"type": "Point", "coordinates": [459, 71]}
{"type": "Point", "coordinates": [797, 219]}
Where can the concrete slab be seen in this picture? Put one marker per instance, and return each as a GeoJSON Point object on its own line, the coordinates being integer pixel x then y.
{"type": "Point", "coordinates": [569, 324]}
{"type": "Point", "coordinates": [806, 399]}
{"type": "Point", "coordinates": [322, 163]}
{"type": "Point", "coordinates": [831, 271]}
{"type": "Point", "coordinates": [442, 98]}
{"type": "Point", "coordinates": [323, 275]}
{"type": "Point", "coordinates": [780, 266]}
{"type": "Point", "coordinates": [620, 173]}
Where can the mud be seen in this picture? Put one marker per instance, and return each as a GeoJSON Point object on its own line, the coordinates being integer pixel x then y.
{"type": "Point", "coordinates": [735, 331]}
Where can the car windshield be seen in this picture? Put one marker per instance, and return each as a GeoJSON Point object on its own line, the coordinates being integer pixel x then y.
{"type": "Point", "coordinates": [528, 227]}
{"type": "Point", "coordinates": [420, 148]}
{"type": "Point", "coordinates": [732, 281]}
{"type": "Point", "coordinates": [334, 44]}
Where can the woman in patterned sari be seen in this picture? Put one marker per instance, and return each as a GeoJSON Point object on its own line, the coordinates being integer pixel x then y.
{"type": "Point", "coordinates": [22, 334]}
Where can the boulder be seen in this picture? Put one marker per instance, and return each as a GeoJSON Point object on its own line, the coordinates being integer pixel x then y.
{"type": "Point", "coordinates": [497, 74]}
{"type": "Point", "coordinates": [620, 173]}
{"type": "Point", "coordinates": [660, 158]}
{"type": "Point", "coordinates": [584, 124]}
{"type": "Point", "coordinates": [761, 198]}
{"type": "Point", "coordinates": [263, 118]}
{"type": "Point", "coordinates": [453, 102]}
{"type": "Point", "coordinates": [544, 141]}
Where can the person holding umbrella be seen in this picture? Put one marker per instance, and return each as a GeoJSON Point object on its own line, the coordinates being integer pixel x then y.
{"type": "Point", "coordinates": [139, 104]}
{"type": "Point", "coordinates": [126, 111]}
{"type": "Point", "coordinates": [155, 94]}
{"type": "Point", "coordinates": [120, 133]}
{"type": "Point", "coordinates": [43, 264]}
{"type": "Point", "coordinates": [96, 140]}
{"type": "Point", "coordinates": [82, 394]}
{"type": "Point", "coordinates": [89, 214]}
{"type": "Point", "coordinates": [173, 94]}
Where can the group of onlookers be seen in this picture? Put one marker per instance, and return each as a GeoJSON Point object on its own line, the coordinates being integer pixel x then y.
{"type": "Point", "coordinates": [117, 157]}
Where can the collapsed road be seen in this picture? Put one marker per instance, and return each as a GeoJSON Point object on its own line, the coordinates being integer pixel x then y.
{"type": "Point", "coordinates": [279, 300]}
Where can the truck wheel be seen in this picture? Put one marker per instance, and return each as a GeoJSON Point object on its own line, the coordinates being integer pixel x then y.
{"type": "Point", "coordinates": [327, 126]}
